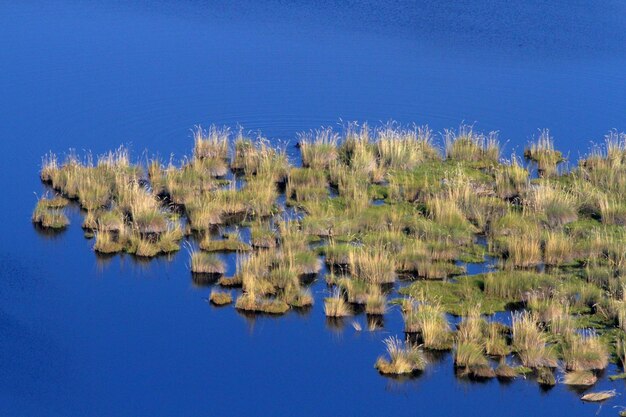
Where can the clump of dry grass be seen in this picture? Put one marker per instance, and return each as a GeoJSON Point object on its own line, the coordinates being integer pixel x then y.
{"type": "Point", "coordinates": [433, 327]}
{"type": "Point", "coordinates": [305, 184]}
{"type": "Point", "coordinates": [273, 163]}
{"type": "Point", "coordinates": [584, 352]}
{"type": "Point", "coordinates": [211, 144]}
{"type": "Point", "coordinates": [252, 302]}
{"type": "Point", "coordinates": [298, 297]}
{"type": "Point", "coordinates": [612, 210]}
{"type": "Point", "coordinates": [470, 357]}
{"type": "Point", "coordinates": [543, 153]}
{"type": "Point", "coordinates": [599, 396]}
{"type": "Point", "coordinates": [305, 262]}
{"type": "Point", "coordinates": [496, 340]}
{"type": "Point", "coordinates": [49, 214]}
{"type": "Point", "coordinates": [376, 303]}
{"type": "Point", "coordinates": [530, 342]}
{"type": "Point", "coordinates": [522, 252]}
{"type": "Point", "coordinates": [410, 310]}
{"type": "Point", "coordinates": [471, 146]}
{"type": "Point", "coordinates": [372, 265]}
{"type": "Point", "coordinates": [318, 148]}
{"type": "Point", "coordinates": [404, 149]}
{"type": "Point", "coordinates": [108, 220]}
{"type": "Point", "coordinates": [204, 213]}
{"type": "Point", "coordinates": [511, 179]}
{"type": "Point", "coordinates": [230, 282]}
{"type": "Point", "coordinates": [107, 243]}
{"type": "Point", "coordinates": [232, 243]}
{"type": "Point", "coordinates": [358, 152]}
{"type": "Point", "coordinates": [141, 247]}
{"type": "Point", "coordinates": [49, 167]}
{"type": "Point", "coordinates": [356, 290]}
{"type": "Point", "coordinates": [558, 249]}
{"type": "Point", "coordinates": [430, 322]}
{"type": "Point", "coordinates": [469, 350]}
{"type": "Point", "coordinates": [505, 371]}
{"type": "Point", "coordinates": [545, 377]}
{"type": "Point", "coordinates": [336, 305]}
{"type": "Point", "coordinates": [556, 204]}
{"type": "Point", "coordinates": [262, 236]}
{"type": "Point", "coordinates": [206, 263]}
{"type": "Point", "coordinates": [220, 298]}
{"type": "Point", "coordinates": [338, 254]}
{"type": "Point", "coordinates": [580, 378]}
{"type": "Point", "coordinates": [551, 311]}
{"type": "Point", "coordinates": [516, 285]}
{"type": "Point", "coordinates": [446, 211]}
{"type": "Point", "coordinates": [353, 190]}
{"type": "Point", "coordinates": [403, 358]}
{"type": "Point", "coordinates": [92, 192]}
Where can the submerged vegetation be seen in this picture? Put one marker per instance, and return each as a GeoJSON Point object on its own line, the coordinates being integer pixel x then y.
{"type": "Point", "coordinates": [381, 210]}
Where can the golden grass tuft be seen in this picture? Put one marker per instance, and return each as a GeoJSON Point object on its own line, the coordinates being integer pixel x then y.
{"type": "Point", "coordinates": [211, 144]}
{"type": "Point", "coordinates": [336, 305]}
{"type": "Point", "coordinates": [530, 342]}
{"type": "Point", "coordinates": [467, 145]}
{"type": "Point", "coordinates": [584, 352]}
{"type": "Point", "coordinates": [206, 263]}
{"type": "Point", "coordinates": [220, 298]}
{"type": "Point", "coordinates": [251, 302]}
{"type": "Point", "coordinates": [430, 322]}
{"type": "Point", "coordinates": [373, 265]}
{"type": "Point", "coordinates": [543, 153]}
{"type": "Point", "coordinates": [50, 218]}
{"type": "Point", "coordinates": [580, 378]}
{"type": "Point", "coordinates": [403, 358]}
{"type": "Point", "coordinates": [107, 242]}
{"type": "Point", "coordinates": [318, 148]}
{"type": "Point", "coordinates": [376, 303]}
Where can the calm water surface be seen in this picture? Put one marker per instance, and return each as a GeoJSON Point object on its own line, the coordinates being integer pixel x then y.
{"type": "Point", "coordinates": [84, 336]}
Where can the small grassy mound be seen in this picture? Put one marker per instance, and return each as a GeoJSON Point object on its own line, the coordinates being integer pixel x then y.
{"type": "Point", "coordinates": [49, 213]}
{"type": "Point", "coordinates": [250, 302]}
{"type": "Point", "coordinates": [206, 263]}
{"type": "Point", "coordinates": [402, 358]}
{"type": "Point", "coordinates": [220, 298]}
{"type": "Point", "coordinates": [336, 306]}
{"type": "Point", "coordinates": [580, 378]}
{"type": "Point", "coordinates": [230, 244]}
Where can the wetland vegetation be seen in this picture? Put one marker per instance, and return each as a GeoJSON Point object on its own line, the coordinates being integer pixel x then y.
{"type": "Point", "coordinates": [395, 214]}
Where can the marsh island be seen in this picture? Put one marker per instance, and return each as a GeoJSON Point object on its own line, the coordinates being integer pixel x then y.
{"type": "Point", "coordinates": [395, 215]}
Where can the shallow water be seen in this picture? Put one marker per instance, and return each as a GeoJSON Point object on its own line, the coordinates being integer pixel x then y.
{"type": "Point", "coordinates": [83, 335]}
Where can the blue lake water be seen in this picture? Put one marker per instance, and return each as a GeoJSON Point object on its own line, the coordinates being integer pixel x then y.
{"type": "Point", "coordinates": [83, 336]}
